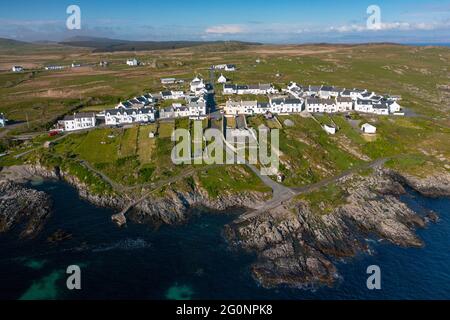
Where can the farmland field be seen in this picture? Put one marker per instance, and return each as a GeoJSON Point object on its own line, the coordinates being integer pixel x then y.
{"type": "Point", "coordinates": [35, 99]}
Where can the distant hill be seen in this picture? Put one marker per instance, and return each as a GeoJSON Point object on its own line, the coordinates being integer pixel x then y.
{"type": "Point", "coordinates": [112, 45]}
{"type": "Point", "coordinates": [10, 43]}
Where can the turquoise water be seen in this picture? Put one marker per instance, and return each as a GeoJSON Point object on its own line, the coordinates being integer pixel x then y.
{"type": "Point", "coordinates": [193, 261]}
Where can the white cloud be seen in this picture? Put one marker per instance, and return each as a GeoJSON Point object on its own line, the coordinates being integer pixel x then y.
{"type": "Point", "coordinates": [391, 26]}
{"type": "Point", "coordinates": [225, 29]}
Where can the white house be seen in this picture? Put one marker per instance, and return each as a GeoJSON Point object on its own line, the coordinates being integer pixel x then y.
{"type": "Point", "coordinates": [167, 113]}
{"type": "Point", "coordinates": [53, 68]}
{"type": "Point", "coordinates": [121, 116]}
{"type": "Point", "coordinates": [222, 79]}
{"type": "Point", "coordinates": [229, 89]}
{"type": "Point", "coordinates": [259, 89]}
{"type": "Point", "coordinates": [197, 110]}
{"type": "Point", "coordinates": [196, 84]}
{"type": "Point", "coordinates": [168, 80]}
{"type": "Point", "coordinates": [364, 106]}
{"type": "Point", "coordinates": [235, 108]}
{"type": "Point", "coordinates": [172, 95]}
{"type": "Point", "coordinates": [79, 121]}
{"type": "Point", "coordinates": [356, 94]}
{"type": "Point", "coordinates": [381, 109]}
{"type": "Point", "coordinates": [327, 92]}
{"type": "Point", "coordinates": [286, 106]}
{"type": "Point", "coordinates": [2, 120]}
{"type": "Point", "coordinates": [181, 111]}
{"type": "Point", "coordinates": [394, 107]}
{"type": "Point", "coordinates": [344, 104]}
{"type": "Point", "coordinates": [132, 62]}
{"type": "Point", "coordinates": [230, 67]}
{"type": "Point", "coordinates": [320, 105]}
{"type": "Point", "coordinates": [17, 69]}
{"type": "Point", "coordinates": [368, 128]}
{"type": "Point", "coordinates": [313, 90]}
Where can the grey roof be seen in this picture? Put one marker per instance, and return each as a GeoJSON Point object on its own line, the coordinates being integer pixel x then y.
{"type": "Point", "coordinates": [168, 109]}
{"type": "Point", "coordinates": [313, 101]}
{"type": "Point", "coordinates": [365, 102]}
{"type": "Point", "coordinates": [265, 86]}
{"type": "Point", "coordinates": [263, 105]}
{"type": "Point", "coordinates": [293, 101]}
{"type": "Point", "coordinates": [344, 99]}
{"type": "Point", "coordinates": [380, 106]}
{"type": "Point", "coordinates": [327, 88]}
{"type": "Point", "coordinates": [327, 101]}
{"type": "Point", "coordinates": [346, 92]}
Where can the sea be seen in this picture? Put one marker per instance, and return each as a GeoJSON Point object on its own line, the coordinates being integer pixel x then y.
{"type": "Point", "coordinates": [193, 261]}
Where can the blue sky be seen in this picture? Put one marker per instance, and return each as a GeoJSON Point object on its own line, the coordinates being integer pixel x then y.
{"type": "Point", "coordinates": [279, 21]}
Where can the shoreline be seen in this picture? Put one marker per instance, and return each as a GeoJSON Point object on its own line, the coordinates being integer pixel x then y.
{"type": "Point", "coordinates": [294, 246]}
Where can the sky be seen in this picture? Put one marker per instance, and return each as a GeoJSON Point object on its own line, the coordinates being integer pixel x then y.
{"type": "Point", "coordinates": [278, 21]}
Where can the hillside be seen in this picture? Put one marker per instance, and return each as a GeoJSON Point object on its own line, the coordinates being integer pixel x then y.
{"type": "Point", "coordinates": [114, 45]}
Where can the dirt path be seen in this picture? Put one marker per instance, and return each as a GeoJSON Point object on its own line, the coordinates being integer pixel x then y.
{"type": "Point", "coordinates": [294, 192]}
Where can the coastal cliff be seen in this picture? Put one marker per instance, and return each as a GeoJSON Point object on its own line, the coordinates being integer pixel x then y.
{"type": "Point", "coordinates": [21, 205]}
{"type": "Point", "coordinates": [297, 246]}
{"type": "Point", "coordinates": [296, 243]}
{"type": "Point", "coordinates": [170, 208]}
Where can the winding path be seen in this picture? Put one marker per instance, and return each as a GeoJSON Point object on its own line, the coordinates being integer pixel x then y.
{"type": "Point", "coordinates": [279, 200]}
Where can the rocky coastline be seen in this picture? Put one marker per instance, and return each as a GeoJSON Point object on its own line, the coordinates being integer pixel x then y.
{"type": "Point", "coordinates": [172, 208]}
{"type": "Point", "coordinates": [21, 205]}
{"type": "Point", "coordinates": [295, 246]}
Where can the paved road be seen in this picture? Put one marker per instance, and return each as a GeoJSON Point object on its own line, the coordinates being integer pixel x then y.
{"type": "Point", "coordinates": [278, 201]}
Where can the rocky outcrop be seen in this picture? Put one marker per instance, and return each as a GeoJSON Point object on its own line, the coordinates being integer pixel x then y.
{"type": "Point", "coordinates": [434, 185]}
{"type": "Point", "coordinates": [172, 208]}
{"type": "Point", "coordinates": [297, 247]}
{"type": "Point", "coordinates": [19, 204]}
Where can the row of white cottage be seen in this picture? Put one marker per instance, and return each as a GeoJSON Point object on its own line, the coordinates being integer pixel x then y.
{"type": "Point", "coordinates": [313, 105]}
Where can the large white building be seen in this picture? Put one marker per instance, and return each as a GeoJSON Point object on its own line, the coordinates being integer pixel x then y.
{"type": "Point", "coordinates": [78, 121]}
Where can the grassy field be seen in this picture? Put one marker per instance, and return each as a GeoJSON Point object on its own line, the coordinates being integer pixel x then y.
{"type": "Point", "coordinates": [130, 157]}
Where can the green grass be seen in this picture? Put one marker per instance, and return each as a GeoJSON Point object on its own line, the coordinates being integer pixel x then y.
{"type": "Point", "coordinates": [128, 144]}
{"type": "Point", "coordinates": [230, 179]}
{"type": "Point", "coordinates": [325, 200]}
